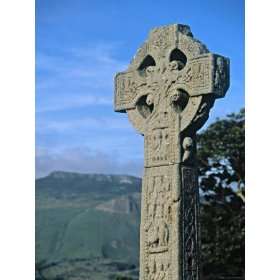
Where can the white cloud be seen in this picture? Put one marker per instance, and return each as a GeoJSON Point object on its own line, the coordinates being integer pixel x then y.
{"type": "Point", "coordinates": [72, 125]}
{"type": "Point", "coordinates": [84, 160]}
{"type": "Point", "coordinates": [73, 101]}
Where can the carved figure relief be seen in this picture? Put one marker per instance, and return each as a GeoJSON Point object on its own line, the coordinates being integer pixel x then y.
{"type": "Point", "coordinates": [160, 140]}
{"type": "Point", "coordinates": [158, 216]}
{"type": "Point", "coordinates": [157, 269]}
{"type": "Point", "coordinates": [158, 225]}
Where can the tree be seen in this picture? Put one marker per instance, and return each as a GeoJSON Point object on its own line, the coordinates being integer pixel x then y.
{"type": "Point", "coordinates": [39, 267]}
{"type": "Point", "coordinates": [221, 160]}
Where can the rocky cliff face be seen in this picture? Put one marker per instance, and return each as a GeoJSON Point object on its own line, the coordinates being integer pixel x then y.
{"type": "Point", "coordinates": [123, 204]}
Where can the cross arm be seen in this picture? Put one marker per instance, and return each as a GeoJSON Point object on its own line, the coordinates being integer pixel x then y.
{"type": "Point", "coordinates": [126, 88]}
{"type": "Point", "coordinates": [206, 79]}
{"type": "Point", "coordinates": [205, 74]}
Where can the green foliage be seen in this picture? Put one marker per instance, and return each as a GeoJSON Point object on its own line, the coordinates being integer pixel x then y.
{"type": "Point", "coordinates": [39, 267]}
{"type": "Point", "coordinates": [222, 182]}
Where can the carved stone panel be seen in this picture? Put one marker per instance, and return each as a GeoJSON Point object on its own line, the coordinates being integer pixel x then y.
{"type": "Point", "coordinates": [126, 88]}
{"type": "Point", "coordinates": [161, 140]}
{"type": "Point", "coordinates": [160, 224]}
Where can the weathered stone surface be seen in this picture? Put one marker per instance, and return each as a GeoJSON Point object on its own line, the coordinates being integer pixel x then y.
{"type": "Point", "coordinates": [167, 92]}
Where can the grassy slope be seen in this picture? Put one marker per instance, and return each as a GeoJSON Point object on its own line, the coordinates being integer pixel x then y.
{"type": "Point", "coordinates": [69, 227]}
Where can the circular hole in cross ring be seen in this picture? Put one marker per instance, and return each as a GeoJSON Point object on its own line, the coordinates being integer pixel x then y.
{"type": "Point", "coordinates": [179, 100]}
{"type": "Point", "coordinates": [145, 105]}
{"type": "Point", "coordinates": [147, 66]}
{"type": "Point", "coordinates": [177, 60]}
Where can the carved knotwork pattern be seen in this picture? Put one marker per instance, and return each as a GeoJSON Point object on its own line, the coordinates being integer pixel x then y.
{"type": "Point", "coordinates": [126, 88]}
{"type": "Point", "coordinates": [160, 38]}
{"type": "Point", "coordinates": [190, 224]}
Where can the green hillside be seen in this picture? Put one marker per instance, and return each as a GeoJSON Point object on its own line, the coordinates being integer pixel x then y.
{"type": "Point", "coordinates": [87, 224]}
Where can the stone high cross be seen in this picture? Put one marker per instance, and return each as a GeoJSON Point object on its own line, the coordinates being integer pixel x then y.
{"type": "Point", "coordinates": [167, 92]}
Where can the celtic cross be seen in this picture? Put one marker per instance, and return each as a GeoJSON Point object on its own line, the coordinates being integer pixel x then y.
{"type": "Point", "coordinates": [167, 92]}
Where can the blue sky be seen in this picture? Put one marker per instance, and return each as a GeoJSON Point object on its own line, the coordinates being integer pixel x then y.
{"type": "Point", "coordinates": [80, 45]}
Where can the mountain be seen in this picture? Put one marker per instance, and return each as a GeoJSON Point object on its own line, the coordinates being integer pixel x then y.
{"type": "Point", "coordinates": [87, 226]}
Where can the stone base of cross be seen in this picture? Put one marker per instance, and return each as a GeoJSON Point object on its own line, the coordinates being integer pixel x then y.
{"type": "Point", "coordinates": [167, 92]}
